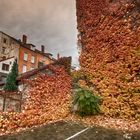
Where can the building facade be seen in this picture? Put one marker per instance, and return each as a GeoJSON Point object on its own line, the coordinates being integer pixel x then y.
{"type": "Point", "coordinates": [28, 57]}
{"type": "Point", "coordinates": [9, 47]}
{"type": "Point", "coordinates": [5, 67]}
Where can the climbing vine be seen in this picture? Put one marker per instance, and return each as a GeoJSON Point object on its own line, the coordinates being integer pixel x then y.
{"type": "Point", "coordinates": [110, 40]}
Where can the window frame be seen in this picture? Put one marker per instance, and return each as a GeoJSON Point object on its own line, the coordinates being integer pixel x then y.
{"type": "Point", "coordinates": [24, 70]}
{"type": "Point", "coordinates": [25, 56]}
{"type": "Point", "coordinates": [32, 59]}
{"type": "Point", "coordinates": [5, 67]}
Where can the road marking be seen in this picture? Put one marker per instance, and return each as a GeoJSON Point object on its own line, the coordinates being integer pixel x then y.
{"type": "Point", "coordinates": [77, 134]}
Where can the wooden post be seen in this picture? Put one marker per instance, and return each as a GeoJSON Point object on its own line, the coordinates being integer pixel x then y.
{"type": "Point", "coordinates": [4, 100]}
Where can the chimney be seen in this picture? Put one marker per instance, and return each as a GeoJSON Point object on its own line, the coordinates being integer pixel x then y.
{"type": "Point", "coordinates": [24, 39]}
{"type": "Point", "coordinates": [58, 56]}
{"type": "Point", "coordinates": [42, 48]}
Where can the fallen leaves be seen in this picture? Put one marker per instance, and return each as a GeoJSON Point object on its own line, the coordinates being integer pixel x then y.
{"type": "Point", "coordinates": [48, 100]}
{"type": "Point", "coordinates": [107, 122]}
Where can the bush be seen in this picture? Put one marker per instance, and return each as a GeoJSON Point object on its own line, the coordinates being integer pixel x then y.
{"type": "Point", "coordinates": [10, 84]}
{"type": "Point", "coordinates": [85, 103]}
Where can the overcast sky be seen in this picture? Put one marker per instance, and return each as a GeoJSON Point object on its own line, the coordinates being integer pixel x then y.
{"type": "Point", "coordinates": [46, 22]}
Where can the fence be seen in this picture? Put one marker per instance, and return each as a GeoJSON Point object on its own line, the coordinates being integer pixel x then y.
{"type": "Point", "coordinates": [10, 101]}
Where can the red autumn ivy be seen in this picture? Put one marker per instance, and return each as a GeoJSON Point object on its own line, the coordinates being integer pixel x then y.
{"type": "Point", "coordinates": [109, 33]}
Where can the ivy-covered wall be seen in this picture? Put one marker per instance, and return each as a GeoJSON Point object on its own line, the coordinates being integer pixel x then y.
{"type": "Point", "coordinates": [109, 34]}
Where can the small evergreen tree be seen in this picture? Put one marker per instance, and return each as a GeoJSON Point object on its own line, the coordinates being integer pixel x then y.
{"type": "Point", "coordinates": [11, 78]}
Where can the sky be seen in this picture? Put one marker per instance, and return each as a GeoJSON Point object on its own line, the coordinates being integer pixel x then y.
{"type": "Point", "coordinates": [51, 23]}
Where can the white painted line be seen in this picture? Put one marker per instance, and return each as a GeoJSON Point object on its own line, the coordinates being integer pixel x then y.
{"type": "Point", "coordinates": [77, 134]}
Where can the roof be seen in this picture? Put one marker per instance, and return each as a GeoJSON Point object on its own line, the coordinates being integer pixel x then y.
{"type": "Point", "coordinates": [30, 73]}
{"type": "Point", "coordinates": [6, 59]}
{"type": "Point", "coordinates": [30, 44]}
{"type": "Point", "coordinates": [33, 72]}
{"type": "Point", "coordinates": [27, 46]}
{"type": "Point", "coordinates": [44, 54]}
{"type": "Point", "coordinates": [10, 37]}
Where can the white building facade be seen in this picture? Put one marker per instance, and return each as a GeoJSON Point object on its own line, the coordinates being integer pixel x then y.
{"type": "Point", "coordinates": [8, 47]}
{"type": "Point", "coordinates": [5, 68]}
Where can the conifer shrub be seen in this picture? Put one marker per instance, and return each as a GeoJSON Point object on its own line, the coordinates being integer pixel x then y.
{"type": "Point", "coordinates": [11, 78]}
{"type": "Point", "coordinates": [85, 102]}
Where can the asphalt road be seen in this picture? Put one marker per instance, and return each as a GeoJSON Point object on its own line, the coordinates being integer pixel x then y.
{"type": "Point", "coordinates": [71, 131]}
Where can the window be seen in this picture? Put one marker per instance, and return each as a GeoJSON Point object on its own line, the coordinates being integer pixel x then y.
{"type": "Point", "coordinates": [4, 40]}
{"type": "Point", "coordinates": [31, 68]}
{"type": "Point", "coordinates": [11, 42]}
{"type": "Point", "coordinates": [40, 64]}
{"type": "Point", "coordinates": [4, 57]}
{"type": "Point", "coordinates": [25, 56]}
{"type": "Point", "coordinates": [24, 69]}
{"type": "Point", "coordinates": [32, 59]}
{"type": "Point", "coordinates": [5, 67]}
{"type": "Point", "coordinates": [3, 50]}
{"type": "Point", "coordinates": [3, 78]}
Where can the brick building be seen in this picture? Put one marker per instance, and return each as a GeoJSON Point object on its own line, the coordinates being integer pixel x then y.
{"type": "Point", "coordinates": [28, 57]}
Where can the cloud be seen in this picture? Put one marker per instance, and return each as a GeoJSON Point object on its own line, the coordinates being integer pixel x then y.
{"type": "Point", "coordinates": [48, 22]}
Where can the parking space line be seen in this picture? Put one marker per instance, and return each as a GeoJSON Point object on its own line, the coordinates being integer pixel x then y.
{"type": "Point", "coordinates": [73, 136]}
